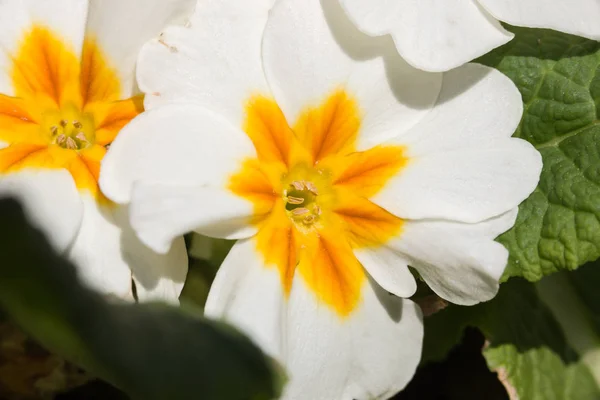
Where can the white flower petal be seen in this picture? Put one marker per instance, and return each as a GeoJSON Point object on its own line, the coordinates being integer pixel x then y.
{"type": "Point", "coordinates": [250, 295]}
{"type": "Point", "coordinates": [431, 35]}
{"type": "Point", "coordinates": [468, 186]}
{"type": "Point", "coordinates": [310, 51]}
{"type": "Point", "coordinates": [215, 62]}
{"type": "Point", "coordinates": [460, 262]}
{"type": "Point", "coordinates": [97, 253]}
{"type": "Point", "coordinates": [389, 269]}
{"type": "Point", "coordinates": [178, 144]}
{"type": "Point", "coordinates": [372, 353]}
{"type": "Point", "coordinates": [156, 276]}
{"type": "Point", "coordinates": [462, 164]}
{"type": "Point", "coordinates": [122, 27]}
{"type": "Point", "coordinates": [161, 212]}
{"type": "Point", "coordinates": [578, 17]}
{"type": "Point", "coordinates": [65, 18]}
{"type": "Point", "coordinates": [477, 104]}
{"type": "Point", "coordinates": [50, 200]}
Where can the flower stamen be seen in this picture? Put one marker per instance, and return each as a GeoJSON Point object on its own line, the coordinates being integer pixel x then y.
{"type": "Point", "coordinates": [295, 200]}
{"type": "Point", "coordinates": [300, 211]}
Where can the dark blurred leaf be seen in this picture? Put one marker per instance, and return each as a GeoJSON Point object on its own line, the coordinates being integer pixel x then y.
{"type": "Point", "coordinates": [151, 351]}
{"type": "Point", "coordinates": [532, 347]}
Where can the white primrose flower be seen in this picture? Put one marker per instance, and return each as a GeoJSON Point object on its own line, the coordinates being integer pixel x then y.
{"type": "Point", "coordinates": [67, 86]}
{"type": "Point", "coordinates": [438, 35]}
{"type": "Point", "coordinates": [337, 165]}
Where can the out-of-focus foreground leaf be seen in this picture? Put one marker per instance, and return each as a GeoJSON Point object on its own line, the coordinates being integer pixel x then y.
{"type": "Point", "coordinates": [542, 339]}
{"type": "Point", "coordinates": [558, 75]}
{"type": "Point", "coordinates": [150, 351]}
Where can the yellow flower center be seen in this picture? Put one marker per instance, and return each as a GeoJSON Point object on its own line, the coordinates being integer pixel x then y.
{"type": "Point", "coordinates": [310, 188]}
{"type": "Point", "coordinates": [65, 111]}
{"type": "Point", "coordinates": [69, 129]}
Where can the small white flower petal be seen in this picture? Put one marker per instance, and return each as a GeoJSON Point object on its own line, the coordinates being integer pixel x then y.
{"type": "Point", "coordinates": [120, 28]}
{"type": "Point", "coordinates": [217, 59]}
{"type": "Point", "coordinates": [462, 164]}
{"type": "Point", "coordinates": [50, 201]}
{"type": "Point", "coordinates": [431, 35]}
{"type": "Point", "coordinates": [389, 269]}
{"type": "Point", "coordinates": [174, 144]}
{"type": "Point", "coordinates": [578, 17]}
{"type": "Point", "coordinates": [157, 277]}
{"type": "Point", "coordinates": [372, 353]}
{"type": "Point", "coordinates": [309, 51]}
{"type": "Point", "coordinates": [160, 213]}
{"type": "Point", "coordinates": [97, 253]}
{"type": "Point", "coordinates": [460, 262]}
{"type": "Point", "coordinates": [250, 295]}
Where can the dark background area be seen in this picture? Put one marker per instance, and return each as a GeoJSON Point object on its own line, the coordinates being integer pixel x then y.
{"type": "Point", "coordinates": [462, 376]}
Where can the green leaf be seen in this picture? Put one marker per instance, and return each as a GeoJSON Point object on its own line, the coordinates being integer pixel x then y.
{"type": "Point", "coordinates": [151, 351]}
{"type": "Point", "coordinates": [558, 75]}
{"type": "Point", "coordinates": [541, 338]}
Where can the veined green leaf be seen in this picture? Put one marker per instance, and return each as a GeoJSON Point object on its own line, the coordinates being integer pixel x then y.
{"type": "Point", "coordinates": [558, 75]}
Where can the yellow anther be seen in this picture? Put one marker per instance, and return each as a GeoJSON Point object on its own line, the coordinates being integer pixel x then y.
{"type": "Point", "coordinates": [71, 143]}
{"type": "Point", "coordinates": [298, 185]}
{"type": "Point", "coordinates": [300, 211]}
{"type": "Point", "coordinates": [309, 219]}
{"type": "Point", "coordinates": [81, 137]}
{"type": "Point", "coordinates": [312, 188]}
{"type": "Point", "coordinates": [295, 200]}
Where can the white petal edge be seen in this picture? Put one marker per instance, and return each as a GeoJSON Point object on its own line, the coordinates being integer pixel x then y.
{"type": "Point", "coordinates": [50, 201]}
{"type": "Point", "coordinates": [389, 269]}
{"type": "Point", "coordinates": [161, 213]}
{"type": "Point", "coordinates": [477, 105]}
{"type": "Point", "coordinates": [157, 277]}
{"type": "Point", "coordinates": [66, 18]}
{"type": "Point", "coordinates": [97, 251]}
{"type": "Point", "coordinates": [577, 17]}
{"type": "Point", "coordinates": [214, 62]}
{"type": "Point", "coordinates": [120, 28]}
{"type": "Point", "coordinates": [175, 144]}
{"type": "Point", "coordinates": [460, 262]}
{"type": "Point", "coordinates": [429, 34]}
{"type": "Point", "coordinates": [467, 186]}
{"type": "Point", "coordinates": [373, 353]}
{"type": "Point", "coordinates": [310, 50]}
{"type": "Point", "coordinates": [250, 295]}
{"type": "Point", "coordinates": [462, 163]}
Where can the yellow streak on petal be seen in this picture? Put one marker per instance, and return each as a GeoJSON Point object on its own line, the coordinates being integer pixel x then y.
{"type": "Point", "coordinates": [111, 117]}
{"type": "Point", "coordinates": [98, 81]}
{"type": "Point", "coordinates": [331, 128]}
{"type": "Point", "coordinates": [276, 241]}
{"type": "Point", "coordinates": [365, 223]}
{"type": "Point", "coordinates": [45, 69]}
{"type": "Point", "coordinates": [331, 270]}
{"type": "Point", "coordinates": [367, 172]}
{"type": "Point", "coordinates": [266, 126]}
